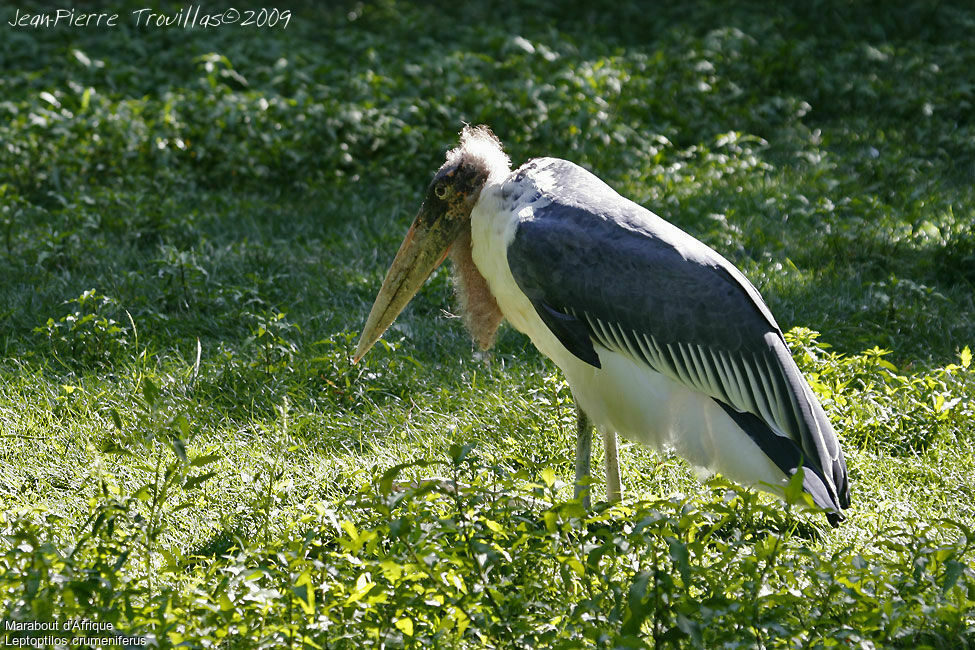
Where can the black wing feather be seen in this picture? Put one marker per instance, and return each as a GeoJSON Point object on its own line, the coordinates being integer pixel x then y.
{"type": "Point", "coordinates": [600, 269]}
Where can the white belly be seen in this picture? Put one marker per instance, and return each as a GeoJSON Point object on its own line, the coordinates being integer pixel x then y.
{"type": "Point", "coordinates": [645, 406]}
{"type": "Point", "coordinates": [624, 395]}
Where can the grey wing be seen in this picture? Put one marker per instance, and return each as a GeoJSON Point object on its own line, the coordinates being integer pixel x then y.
{"type": "Point", "coordinates": [602, 271]}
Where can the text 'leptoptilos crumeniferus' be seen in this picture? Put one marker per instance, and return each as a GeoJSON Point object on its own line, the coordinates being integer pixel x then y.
{"type": "Point", "coordinates": [660, 338]}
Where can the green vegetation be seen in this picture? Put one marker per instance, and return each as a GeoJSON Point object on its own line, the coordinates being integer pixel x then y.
{"type": "Point", "coordinates": [193, 224]}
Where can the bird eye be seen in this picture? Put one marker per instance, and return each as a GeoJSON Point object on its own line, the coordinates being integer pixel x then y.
{"type": "Point", "coordinates": [440, 191]}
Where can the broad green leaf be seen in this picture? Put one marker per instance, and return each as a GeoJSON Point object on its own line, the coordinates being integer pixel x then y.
{"type": "Point", "coordinates": [548, 476]}
{"type": "Point", "coordinates": [200, 461]}
{"type": "Point", "coordinates": [493, 525]}
{"type": "Point", "coordinates": [305, 592]}
{"type": "Point", "coordinates": [194, 482]}
{"type": "Point", "coordinates": [405, 625]}
{"type": "Point", "coordinates": [150, 391]}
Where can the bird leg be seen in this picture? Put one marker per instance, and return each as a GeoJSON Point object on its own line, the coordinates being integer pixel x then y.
{"type": "Point", "coordinates": [583, 455]}
{"type": "Point", "coordinates": [614, 491]}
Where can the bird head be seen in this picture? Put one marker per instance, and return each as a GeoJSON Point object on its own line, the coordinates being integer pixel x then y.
{"type": "Point", "coordinates": [443, 216]}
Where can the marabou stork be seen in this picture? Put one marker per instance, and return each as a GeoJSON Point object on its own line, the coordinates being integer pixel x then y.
{"type": "Point", "coordinates": [660, 338]}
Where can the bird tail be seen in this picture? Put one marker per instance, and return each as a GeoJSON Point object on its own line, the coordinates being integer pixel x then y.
{"type": "Point", "coordinates": [833, 464]}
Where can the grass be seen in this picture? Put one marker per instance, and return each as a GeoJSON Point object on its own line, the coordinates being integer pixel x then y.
{"type": "Point", "coordinates": [193, 226]}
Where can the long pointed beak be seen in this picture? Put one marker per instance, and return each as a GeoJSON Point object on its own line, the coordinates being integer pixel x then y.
{"type": "Point", "coordinates": [424, 248]}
